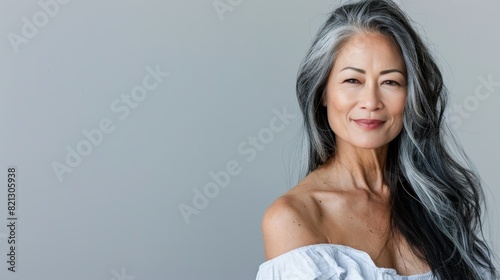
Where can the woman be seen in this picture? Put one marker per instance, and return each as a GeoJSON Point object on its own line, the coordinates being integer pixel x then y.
{"type": "Point", "coordinates": [384, 197]}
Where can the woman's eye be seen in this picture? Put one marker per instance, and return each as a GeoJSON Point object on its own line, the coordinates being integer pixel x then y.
{"type": "Point", "coordinates": [392, 83]}
{"type": "Point", "coordinates": [351, 81]}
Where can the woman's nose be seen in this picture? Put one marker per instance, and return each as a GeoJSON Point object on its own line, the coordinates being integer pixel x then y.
{"type": "Point", "coordinates": [369, 98]}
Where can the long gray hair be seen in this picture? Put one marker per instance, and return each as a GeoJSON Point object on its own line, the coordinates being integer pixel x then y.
{"type": "Point", "coordinates": [436, 197]}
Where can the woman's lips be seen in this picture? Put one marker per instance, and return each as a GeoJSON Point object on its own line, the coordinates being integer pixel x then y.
{"type": "Point", "coordinates": [369, 124]}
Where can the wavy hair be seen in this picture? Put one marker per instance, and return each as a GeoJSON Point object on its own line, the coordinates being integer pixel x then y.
{"type": "Point", "coordinates": [436, 196]}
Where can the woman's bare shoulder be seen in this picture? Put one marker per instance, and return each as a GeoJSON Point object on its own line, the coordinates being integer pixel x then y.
{"type": "Point", "coordinates": [291, 221]}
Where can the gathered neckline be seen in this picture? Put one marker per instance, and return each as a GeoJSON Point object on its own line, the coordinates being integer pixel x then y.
{"type": "Point", "coordinates": [365, 257]}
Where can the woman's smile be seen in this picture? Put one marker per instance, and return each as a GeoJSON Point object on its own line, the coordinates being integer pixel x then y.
{"type": "Point", "coordinates": [369, 124]}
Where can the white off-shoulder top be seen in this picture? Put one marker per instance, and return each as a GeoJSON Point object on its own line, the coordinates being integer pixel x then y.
{"type": "Point", "coordinates": [328, 262]}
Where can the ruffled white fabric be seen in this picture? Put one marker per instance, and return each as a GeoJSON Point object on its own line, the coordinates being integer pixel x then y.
{"type": "Point", "coordinates": [328, 262]}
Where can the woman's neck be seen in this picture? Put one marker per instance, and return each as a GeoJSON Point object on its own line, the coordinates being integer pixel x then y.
{"type": "Point", "coordinates": [359, 168]}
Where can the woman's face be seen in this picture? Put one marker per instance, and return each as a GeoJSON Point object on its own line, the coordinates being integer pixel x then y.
{"type": "Point", "coordinates": [366, 91]}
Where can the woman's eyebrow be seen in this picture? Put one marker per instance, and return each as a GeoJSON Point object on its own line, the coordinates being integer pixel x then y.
{"type": "Point", "coordinates": [355, 69]}
{"type": "Point", "coordinates": [381, 72]}
{"type": "Point", "coordinates": [391, 71]}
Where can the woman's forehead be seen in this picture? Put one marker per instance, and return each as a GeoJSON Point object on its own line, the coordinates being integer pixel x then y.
{"type": "Point", "coordinates": [369, 50]}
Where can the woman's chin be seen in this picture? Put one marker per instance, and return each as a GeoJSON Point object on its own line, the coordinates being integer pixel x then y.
{"type": "Point", "coordinates": [369, 143]}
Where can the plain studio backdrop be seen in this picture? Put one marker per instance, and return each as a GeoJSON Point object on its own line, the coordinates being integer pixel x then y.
{"type": "Point", "coordinates": [149, 136]}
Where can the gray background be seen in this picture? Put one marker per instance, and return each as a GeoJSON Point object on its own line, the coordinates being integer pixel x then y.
{"type": "Point", "coordinates": [116, 215]}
